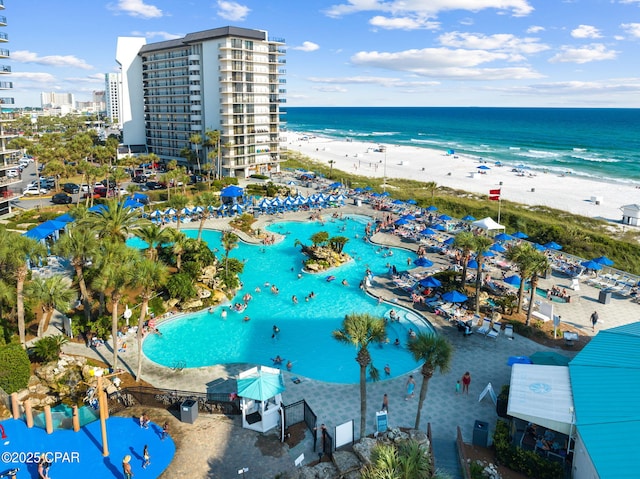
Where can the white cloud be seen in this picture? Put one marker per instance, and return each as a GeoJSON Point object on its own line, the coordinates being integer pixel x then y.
{"type": "Point", "coordinates": [403, 23]}
{"type": "Point", "coordinates": [232, 11]}
{"type": "Point", "coordinates": [162, 35]}
{"type": "Point", "coordinates": [632, 29]}
{"type": "Point", "coordinates": [428, 8]}
{"type": "Point", "coordinates": [67, 61]}
{"type": "Point", "coordinates": [371, 80]}
{"type": "Point", "coordinates": [307, 47]}
{"type": "Point", "coordinates": [136, 8]}
{"type": "Point", "coordinates": [535, 29]}
{"type": "Point", "coordinates": [330, 89]}
{"type": "Point", "coordinates": [95, 78]}
{"type": "Point", "coordinates": [445, 63]}
{"type": "Point", "coordinates": [586, 31]}
{"type": "Point", "coordinates": [35, 77]}
{"type": "Point", "coordinates": [501, 42]}
{"type": "Point", "coordinates": [630, 1]}
{"type": "Point", "coordinates": [583, 87]}
{"type": "Point", "coordinates": [586, 54]}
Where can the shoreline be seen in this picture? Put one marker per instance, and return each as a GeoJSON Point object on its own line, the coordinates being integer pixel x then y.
{"type": "Point", "coordinates": [569, 193]}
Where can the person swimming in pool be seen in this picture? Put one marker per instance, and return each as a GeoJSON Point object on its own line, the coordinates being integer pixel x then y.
{"type": "Point", "coordinates": [277, 360]}
{"type": "Point", "coordinates": [289, 365]}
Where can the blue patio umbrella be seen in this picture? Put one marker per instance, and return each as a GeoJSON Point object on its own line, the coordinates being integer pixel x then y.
{"type": "Point", "coordinates": [498, 248]}
{"type": "Point", "coordinates": [424, 262]}
{"type": "Point", "coordinates": [358, 190]}
{"type": "Point", "coordinates": [367, 188]}
{"type": "Point", "coordinates": [439, 227]}
{"type": "Point", "coordinates": [432, 208]}
{"type": "Point", "coordinates": [594, 265]}
{"type": "Point", "coordinates": [483, 167]}
{"type": "Point", "coordinates": [376, 195]}
{"type": "Point", "coordinates": [488, 254]}
{"type": "Point", "coordinates": [231, 191]}
{"type": "Point", "coordinates": [401, 222]}
{"type": "Point", "coordinates": [538, 246]}
{"type": "Point", "coordinates": [454, 297]}
{"type": "Point", "coordinates": [513, 280]}
{"type": "Point", "coordinates": [603, 260]}
{"type": "Point", "coordinates": [335, 185]}
{"type": "Point", "coordinates": [409, 217]}
{"type": "Point", "coordinates": [445, 218]}
{"type": "Point", "coordinates": [553, 245]}
{"type": "Point", "coordinates": [468, 218]}
{"type": "Point", "coordinates": [397, 202]}
{"type": "Point", "coordinates": [449, 241]}
{"type": "Point", "coordinates": [520, 235]}
{"type": "Point", "coordinates": [386, 193]}
{"type": "Point", "coordinates": [503, 237]}
{"type": "Point", "coordinates": [427, 232]}
{"type": "Point", "coordinates": [430, 282]}
{"type": "Point", "coordinates": [473, 264]}
{"type": "Point", "coordinates": [411, 202]}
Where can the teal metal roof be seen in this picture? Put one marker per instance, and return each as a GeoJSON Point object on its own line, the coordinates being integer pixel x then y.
{"type": "Point", "coordinates": [605, 380]}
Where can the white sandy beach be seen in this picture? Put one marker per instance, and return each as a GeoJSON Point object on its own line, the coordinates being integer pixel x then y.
{"type": "Point", "coordinates": [568, 193]}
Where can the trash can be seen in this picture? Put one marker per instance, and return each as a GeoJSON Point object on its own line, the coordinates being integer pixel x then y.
{"type": "Point", "coordinates": [604, 297]}
{"type": "Point", "coordinates": [358, 203]}
{"type": "Point", "coordinates": [480, 433]}
{"type": "Point", "coordinates": [189, 411]}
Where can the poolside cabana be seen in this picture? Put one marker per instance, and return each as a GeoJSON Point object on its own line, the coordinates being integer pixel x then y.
{"type": "Point", "coordinates": [260, 390]}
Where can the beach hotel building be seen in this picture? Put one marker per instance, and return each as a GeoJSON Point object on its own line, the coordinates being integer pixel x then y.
{"type": "Point", "coordinates": [8, 158]}
{"type": "Point", "coordinates": [227, 79]}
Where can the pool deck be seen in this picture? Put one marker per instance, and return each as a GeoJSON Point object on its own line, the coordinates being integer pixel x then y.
{"type": "Point", "coordinates": [217, 447]}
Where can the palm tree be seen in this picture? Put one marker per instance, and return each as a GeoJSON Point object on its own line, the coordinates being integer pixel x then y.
{"type": "Point", "coordinates": [179, 241]}
{"type": "Point", "coordinates": [115, 222]}
{"type": "Point", "coordinates": [178, 202]}
{"type": "Point", "coordinates": [53, 293]}
{"type": "Point", "coordinates": [229, 242]}
{"type": "Point", "coordinates": [205, 200]}
{"type": "Point", "coordinates": [212, 143]}
{"type": "Point", "coordinates": [331, 162]}
{"type": "Point", "coordinates": [436, 353]}
{"type": "Point", "coordinates": [154, 236]}
{"type": "Point", "coordinates": [78, 245]}
{"type": "Point", "coordinates": [481, 246]}
{"type": "Point", "coordinates": [539, 264]}
{"type": "Point", "coordinates": [466, 242]}
{"type": "Point", "coordinates": [431, 186]}
{"type": "Point", "coordinates": [148, 276]}
{"type": "Point", "coordinates": [196, 140]}
{"type": "Point", "coordinates": [521, 255]}
{"type": "Point", "coordinates": [360, 330]}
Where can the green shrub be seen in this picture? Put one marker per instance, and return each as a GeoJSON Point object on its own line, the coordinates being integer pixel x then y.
{"type": "Point", "coordinates": [201, 186]}
{"type": "Point", "coordinates": [48, 348]}
{"type": "Point", "coordinates": [15, 368]}
{"type": "Point", "coordinates": [181, 286]}
{"type": "Point", "coordinates": [259, 177]}
{"type": "Point", "coordinates": [156, 306]}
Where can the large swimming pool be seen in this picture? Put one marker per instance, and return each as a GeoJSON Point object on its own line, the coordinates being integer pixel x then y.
{"type": "Point", "coordinates": [205, 339]}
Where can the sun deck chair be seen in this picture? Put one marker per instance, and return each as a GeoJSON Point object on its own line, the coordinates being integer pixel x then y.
{"type": "Point", "coordinates": [495, 331]}
{"type": "Point", "coordinates": [485, 328]}
{"type": "Point", "coordinates": [508, 331]}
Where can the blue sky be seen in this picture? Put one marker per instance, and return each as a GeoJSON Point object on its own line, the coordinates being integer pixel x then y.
{"type": "Point", "coordinates": [574, 53]}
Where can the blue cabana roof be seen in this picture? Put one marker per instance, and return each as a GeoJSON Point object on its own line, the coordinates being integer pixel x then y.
{"type": "Point", "coordinates": [65, 218]}
{"type": "Point", "coordinates": [44, 230]}
{"type": "Point", "coordinates": [133, 204]}
{"type": "Point", "coordinates": [231, 191]}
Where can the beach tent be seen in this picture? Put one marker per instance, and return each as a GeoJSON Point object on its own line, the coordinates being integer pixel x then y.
{"type": "Point", "coordinates": [542, 395]}
{"type": "Point", "coordinates": [487, 224]}
{"type": "Point", "coordinates": [261, 391]}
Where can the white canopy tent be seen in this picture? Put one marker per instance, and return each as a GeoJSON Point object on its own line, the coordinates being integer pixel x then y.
{"type": "Point", "coordinates": [487, 224]}
{"type": "Point", "coordinates": [542, 395]}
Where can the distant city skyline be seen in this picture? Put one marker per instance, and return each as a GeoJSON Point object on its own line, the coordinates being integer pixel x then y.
{"type": "Point", "coordinates": [578, 53]}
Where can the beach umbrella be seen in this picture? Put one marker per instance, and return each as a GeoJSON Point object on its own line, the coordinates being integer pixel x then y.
{"type": "Point", "coordinates": [397, 202]}
{"type": "Point", "coordinates": [427, 232]}
{"type": "Point", "coordinates": [445, 218]}
{"type": "Point", "coordinates": [603, 260]}
{"type": "Point", "coordinates": [538, 246]}
{"type": "Point", "coordinates": [450, 152]}
{"type": "Point", "coordinates": [236, 208]}
{"type": "Point", "coordinates": [401, 222]}
{"type": "Point", "coordinates": [376, 195]}
{"type": "Point", "coordinates": [170, 212]}
{"type": "Point", "coordinates": [260, 387]}
{"type": "Point", "coordinates": [430, 282]}
{"type": "Point", "coordinates": [385, 194]}
{"type": "Point", "coordinates": [594, 265]}
{"type": "Point", "coordinates": [411, 202]}
{"type": "Point", "coordinates": [449, 241]}
{"type": "Point", "coordinates": [197, 209]}
{"type": "Point", "coordinates": [553, 245]}
{"type": "Point", "coordinates": [454, 297]}
{"type": "Point", "coordinates": [520, 235]}
{"type": "Point", "coordinates": [468, 218]}
{"type": "Point", "coordinates": [264, 204]}
{"type": "Point", "coordinates": [367, 188]}
{"type": "Point", "coordinates": [409, 217]}
{"type": "Point", "coordinates": [431, 208]}
{"type": "Point", "coordinates": [439, 227]}
{"type": "Point", "coordinates": [503, 237]}
{"type": "Point", "coordinates": [488, 254]}
{"type": "Point", "coordinates": [335, 185]}
{"type": "Point", "coordinates": [424, 262]}
{"type": "Point", "coordinates": [498, 248]}
{"type": "Point", "coordinates": [358, 190]}
{"type": "Point", "coordinates": [512, 280]}
{"type": "Point", "coordinates": [473, 264]}
{"type": "Point", "coordinates": [155, 214]}
{"type": "Point", "coordinates": [185, 211]}
{"type": "Point", "coordinates": [483, 167]}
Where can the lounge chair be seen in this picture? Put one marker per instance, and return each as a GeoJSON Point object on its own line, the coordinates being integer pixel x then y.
{"type": "Point", "coordinates": [508, 331]}
{"type": "Point", "coordinates": [495, 331]}
{"type": "Point", "coordinates": [485, 328]}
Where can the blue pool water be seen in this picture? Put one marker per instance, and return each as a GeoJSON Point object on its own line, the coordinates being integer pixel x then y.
{"type": "Point", "coordinates": [204, 339]}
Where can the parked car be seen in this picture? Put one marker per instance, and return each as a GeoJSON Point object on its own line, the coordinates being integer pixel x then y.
{"type": "Point", "coordinates": [196, 179]}
{"type": "Point", "coordinates": [108, 183]}
{"type": "Point", "coordinates": [34, 190]}
{"type": "Point", "coordinates": [12, 173]}
{"type": "Point", "coordinates": [140, 179]}
{"type": "Point", "coordinates": [71, 188]}
{"type": "Point", "coordinates": [154, 185]}
{"type": "Point", "coordinates": [61, 199]}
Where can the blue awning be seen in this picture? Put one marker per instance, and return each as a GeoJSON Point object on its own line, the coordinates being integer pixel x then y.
{"type": "Point", "coordinates": [45, 230]}
{"type": "Point", "coordinates": [231, 191]}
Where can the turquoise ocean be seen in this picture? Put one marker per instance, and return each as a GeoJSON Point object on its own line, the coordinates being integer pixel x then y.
{"type": "Point", "coordinates": [598, 143]}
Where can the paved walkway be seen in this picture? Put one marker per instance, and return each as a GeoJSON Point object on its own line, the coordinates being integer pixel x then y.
{"type": "Point", "coordinates": [216, 447]}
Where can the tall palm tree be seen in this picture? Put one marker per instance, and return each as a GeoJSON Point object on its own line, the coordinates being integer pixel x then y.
{"type": "Point", "coordinates": [179, 240]}
{"type": "Point", "coordinates": [196, 140]}
{"type": "Point", "coordinates": [436, 353]}
{"type": "Point", "coordinates": [212, 143]}
{"type": "Point", "coordinates": [481, 246]}
{"type": "Point", "coordinates": [53, 293]}
{"type": "Point", "coordinates": [431, 186]}
{"type": "Point", "coordinates": [205, 200]}
{"type": "Point", "coordinates": [148, 276]}
{"type": "Point", "coordinates": [331, 162]}
{"type": "Point", "coordinates": [229, 242]}
{"type": "Point", "coordinates": [178, 202]}
{"type": "Point", "coordinates": [360, 330]}
{"type": "Point", "coordinates": [539, 264]}
{"type": "Point", "coordinates": [521, 255]}
{"type": "Point", "coordinates": [115, 222]}
{"type": "Point", "coordinates": [466, 242]}
{"type": "Point", "coordinates": [154, 236]}
{"type": "Point", "coordinates": [78, 245]}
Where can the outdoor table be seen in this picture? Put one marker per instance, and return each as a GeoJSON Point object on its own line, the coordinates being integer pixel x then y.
{"type": "Point", "coordinates": [570, 338]}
